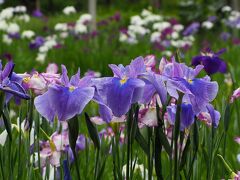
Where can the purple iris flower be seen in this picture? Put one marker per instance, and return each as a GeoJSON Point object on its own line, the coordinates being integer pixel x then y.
{"type": "Point", "coordinates": [191, 29]}
{"type": "Point", "coordinates": [211, 61]}
{"type": "Point", "coordinates": [115, 95]}
{"type": "Point", "coordinates": [37, 13]}
{"type": "Point", "coordinates": [14, 35]}
{"type": "Point", "coordinates": [37, 42]}
{"type": "Point", "coordinates": [225, 36]}
{"type": "Point", "coordinates": [66, 99]}
{"type": "Point", "coordinates": [10, 83]}
{"type": "Point", "coordinates": [196, 91]}
{"type": "Point", "coordinates": [186, 115]}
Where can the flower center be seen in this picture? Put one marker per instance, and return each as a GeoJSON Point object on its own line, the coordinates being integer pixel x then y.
{"type": "Point", "coordinates": [71, 88]}
{"type": "Point", "coordinates": [26, 79]}
{"type": "Point", "coordinates": [190, 81]}
{"type": "Point", "coordinates": [123, 80]}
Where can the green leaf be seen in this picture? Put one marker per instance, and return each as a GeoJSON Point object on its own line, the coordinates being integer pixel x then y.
{"type": "Point", "coordinates": [227, 116]}
{"type": "Point", "coordinates": [141, 141]}
{"type": "Point", "coordinates": [184, 154]}
{"type": "Point", "coordinates": [164, 142]}
{"type": "Point", "coordinates": [73, 132]}
{"type": "Point", "coordinates": [7, 123]}
{"type": "Point", "coordinates": [92, 130]}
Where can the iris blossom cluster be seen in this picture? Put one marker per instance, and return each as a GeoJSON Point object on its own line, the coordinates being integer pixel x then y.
{"type": "Point", "coordinates": [139, 83]}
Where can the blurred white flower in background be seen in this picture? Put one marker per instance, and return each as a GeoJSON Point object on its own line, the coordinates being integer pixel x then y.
{"type": "Point", "coordinates": [3, 25]}
{"type": "Point", "coordinates": [28, 34]}
{"type": "Point", "coordinates": [155, 37]}
{"type": "Point", "coordinates": [6, 39]}
{"type": "Point", "coordinates": [24, 18]}
{"type": "Point", "coordinates": [13, 28]}
{"type": "Point", "coordinates": [136, 20]}
{"type": "Point", "coordinates": [226, 9]}
{"type": "Point", "coordinates": [167, 53]}
{"type": "Point", "coordinates": [20, 9]}
{"type": "Point", "coordinates": [161, 25]}
{"type": "Point", "coordinates": [1, 1]}
{"type": "Point", "coordinates": [138, 29]}
{"type": "Point", "coordinates": [69, 10]}
{"type": "Point", "coordinates": [84, 18]}
{"type": "Point", "coordinates": [207, 24]}
{"type": "Point", "coordinates": [178, 27]}
{"type": "Point", "coordinates": [7, 13]}
{"type": "Point", "coordinates": [41, 57]}
{"type": "Point", "coordinates": [61, 27]}
{"type": "Point", "coordinates": [80, 28]}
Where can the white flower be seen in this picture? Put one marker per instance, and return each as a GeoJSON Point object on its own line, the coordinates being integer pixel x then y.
{"type": "Point", "coordinates": [24, 18]}
{"type": "Point", "coordinates": [69, 10]}
{"type": "Point", "coordinates": [7, 13]}
{"type": "Point", "coordinates": [6, 39]}
{"type": "Point", "coordinates": [84, 18]}
{"type": "Point", "coordinates": [138, 29]}
{"type": "Point", "coordinates": [155, 37]}
{"type": "Point", "coordinates": [167, 53]}
{"type": "Point", "coordinates": [161, 25]}
{"type": "Point", "coordinates": [136, 20]}
{"type": "Point", "coordinates": [178, 27]}
{"type": "Point", "coordinates": [123, 37]}
{"type": "Point", "coordinates": [146, 13]}
{"type": "Point", "coordinates": [43, 49]}
{"type": "Point", "coordinates": [3, 25]}
{"type": "Point", "coordinates": [226, 9]}
{"type": "Point", "coordinates": [28, 34]}
{"type": "Point", "coordinates": [63, 35]}
{"type": "Point", "coordinates": [175, 35]}
{"type": "Point", "coordinates": [207, 24]}
{"type": "Point", "coordinates": [50, 43]}
{"type": "Point", "coordinates": [13, 28]}
{"type": "Point", "coordinates": [20, 9]}
{"type": "Point", "coordinates": [152, 18]}
{"type": "Point", "coordinates": [80, 28]}
{"type": "Point", "coordinates": [41, 57]}
{"type": "Point", "coordinates": [1, 1]}
{"type": "Point", "coordinates": [61, 27]}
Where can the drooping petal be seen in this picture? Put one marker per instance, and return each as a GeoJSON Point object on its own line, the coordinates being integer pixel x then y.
{"type": "Point", "coordinates": [45, 106]}
{"type": "Point", "coordinates": [68, 104]}
{"type": "Point", "coordinates": [203, 92]}
{"type": "Point", "coordinates": [119, 96]}
{"type": "Point", "coordinates": [215, 115]}
{"type": "Point", "coordinates": [187, 116]}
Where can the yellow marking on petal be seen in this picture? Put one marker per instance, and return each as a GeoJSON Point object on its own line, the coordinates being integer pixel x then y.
{"type": "Point", "coordinates": [26, 79]}
{"type": "Point", "coordinates": [71, 88]}
{"type": "Point", "coordinates": [52, 145]}
{"type": "Point", "coordinates": [123, 80]}
{"type": "Point", "coordinates": [190, 81]}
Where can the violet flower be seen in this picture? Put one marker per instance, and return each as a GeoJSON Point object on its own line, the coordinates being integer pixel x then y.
{"type": "Point", "coordinates": [10, 83]}
{"type": "Point", "coordinates": [115, 95]}
{"type": "Point", "coordinates": [198, 92]}
{"type": "Point", "coordinates": [37, 42]}
{"type": "Point", "coordinates": [191, 29]}
{"type": "Point", "coordinates": [211, 61]}
{"type": "Point", "coordinates": [186, 115]}
{"type": "Point", "coordinates": [67, 99]}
